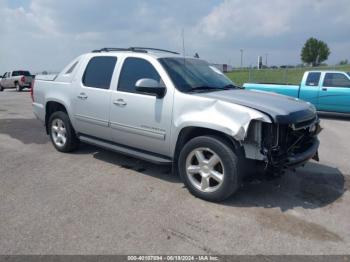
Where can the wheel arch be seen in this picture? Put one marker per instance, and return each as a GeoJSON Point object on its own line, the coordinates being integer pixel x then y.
{"type": "Point", "coordinates": [190, 132]}
{"type": "Point", "coordinates": [52, 107]}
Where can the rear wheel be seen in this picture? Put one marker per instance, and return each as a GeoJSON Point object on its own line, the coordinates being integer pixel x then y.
{"type": "Point", "coordinates": [209, 168]}
{"type": "Point", "coordinates": [1, 88]}
{"type": "Point", "coordinates": [18, 87]}
{"type": "Point", "coordinates": [62, 133]}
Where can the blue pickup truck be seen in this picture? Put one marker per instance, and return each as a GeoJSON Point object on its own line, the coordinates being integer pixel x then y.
{"type": "Point", "coordinates": [328, 90]}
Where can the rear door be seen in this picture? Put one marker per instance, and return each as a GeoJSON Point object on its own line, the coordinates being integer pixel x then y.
{"type": "Point", "coordinates": [92, 97]}
{"type": "Point", "coordinates": [14, 77]}
{"type": "Point", "coordinates": [309, 89]}
{"type": "Point", "coordinates": [9, 81]}
{"type": "Point", "coordinates": [335, 93]}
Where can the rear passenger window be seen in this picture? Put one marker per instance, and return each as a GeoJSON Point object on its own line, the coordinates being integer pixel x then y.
{"type": "Point", "coordinates": [133, 70]}
{"type": "Point", "coordinates": [313, 79]}
{"type": "Point", "coordinates": [336, 80]}
{"type": "Point", "coordinates": [99, 71]}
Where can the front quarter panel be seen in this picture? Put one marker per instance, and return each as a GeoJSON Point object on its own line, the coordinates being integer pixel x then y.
{"type": "Point", "coordinates": [191, 110]}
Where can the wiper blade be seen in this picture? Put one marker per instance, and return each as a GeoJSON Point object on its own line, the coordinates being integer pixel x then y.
{"type": "Point", "coordinates": [212, 88]}
{"type": "Point", "coordinates": [230, 86]}
{"type": "Point", "coordinates": [203, 88]}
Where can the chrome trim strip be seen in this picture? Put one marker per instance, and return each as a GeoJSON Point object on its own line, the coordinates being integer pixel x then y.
{"type": "Point", "coordinates": [91, 120]}
{"type": "Point", "coordinates": [138, 131]}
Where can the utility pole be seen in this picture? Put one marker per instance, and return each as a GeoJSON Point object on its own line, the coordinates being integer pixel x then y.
{"type": "Point", "coordinates": [241, 58]}
{"type": "Point", "coordinates": [266, 55]}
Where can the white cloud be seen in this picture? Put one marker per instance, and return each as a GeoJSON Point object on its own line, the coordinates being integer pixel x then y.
{"type": "Point", "coordinates": [238, 18]}
{"type": "Point", "coordinates": [277, 27]}
{"type": "Point", "coordinates": [46, 34]}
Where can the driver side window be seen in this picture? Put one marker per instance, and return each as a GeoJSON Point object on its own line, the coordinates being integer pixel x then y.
{"type": "Point", "coordinates": [133, 70]}
{"type": "Point", "coordinates": [313, 79]}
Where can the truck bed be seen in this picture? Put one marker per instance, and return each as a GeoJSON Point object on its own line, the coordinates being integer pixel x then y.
{"type": "Point", "coordinates": [288, 90]}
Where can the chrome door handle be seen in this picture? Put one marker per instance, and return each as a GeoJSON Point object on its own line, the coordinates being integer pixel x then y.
{"type": "Point", "coordinates": [82, 96]}
{"type": "Point", "coordinates": [119, 102]}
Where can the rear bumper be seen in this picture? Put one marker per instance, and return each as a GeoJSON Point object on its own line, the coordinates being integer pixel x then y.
{"type": "Point", "coordinates": [301, 158]}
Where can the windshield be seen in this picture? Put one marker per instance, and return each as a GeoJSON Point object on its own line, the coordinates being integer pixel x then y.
{"type": "Point", "coordinates": [193, 75]}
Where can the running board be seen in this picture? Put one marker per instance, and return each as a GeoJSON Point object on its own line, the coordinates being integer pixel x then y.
{"type": "Point", "coordinates": [125, 150]}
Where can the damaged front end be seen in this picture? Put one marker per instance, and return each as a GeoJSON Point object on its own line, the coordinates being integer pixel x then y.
{"type": "Point", "coordinates": [282, 146]}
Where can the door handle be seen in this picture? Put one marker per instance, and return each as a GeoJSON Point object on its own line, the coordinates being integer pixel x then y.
{"type": "Point", "coordinates": [324, 88]}
{"type": "Point", "coordinates": [82, 96]}
{"type": "Point", "coordinates": [119, 102]}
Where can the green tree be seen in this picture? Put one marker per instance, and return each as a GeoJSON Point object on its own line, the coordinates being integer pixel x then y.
{"type": "Point", "coordinates": [314, 52]}
{"type": "Point", "coordinates": [344, 62]}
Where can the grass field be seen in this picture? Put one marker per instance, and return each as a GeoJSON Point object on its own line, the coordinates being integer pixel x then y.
{"type": "Point", "coordinates": [287, 76]}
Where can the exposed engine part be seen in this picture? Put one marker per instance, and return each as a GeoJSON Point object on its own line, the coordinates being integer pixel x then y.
{"type": "Point", "coordinates": [278, 144]}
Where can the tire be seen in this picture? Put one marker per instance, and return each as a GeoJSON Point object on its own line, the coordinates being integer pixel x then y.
{"type": "Point", "coordinates": [18, 87]}
{"type": "Point", "coordinates": [202, 178]}
{"type": "Point", "coordinates": [1, 88]}
{"type": "Point", "coordinates": [62, 133]}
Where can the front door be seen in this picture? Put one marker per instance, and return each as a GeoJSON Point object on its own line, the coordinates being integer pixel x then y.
{"type": "Point", "coordinates": [140, 120]}
{"type": "Point", "coordinates": [4, 81]}
{"type": "Point", "coordinates": [92, 98]}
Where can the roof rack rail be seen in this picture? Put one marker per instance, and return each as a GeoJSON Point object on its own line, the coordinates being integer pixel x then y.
{"type": "Point", "coordinates": [154, 49]}
{"type": "Point", "coordinates": [132, 49]}
{"type": "Point", "coordinates": [111, 49]}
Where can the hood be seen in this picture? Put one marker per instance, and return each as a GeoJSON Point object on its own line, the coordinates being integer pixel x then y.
{"type": "Point", "coordinates": [282, 109]}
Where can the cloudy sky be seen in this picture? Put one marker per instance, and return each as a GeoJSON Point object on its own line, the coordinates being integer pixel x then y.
{"type": "Point", "coordinates": [47, 34]}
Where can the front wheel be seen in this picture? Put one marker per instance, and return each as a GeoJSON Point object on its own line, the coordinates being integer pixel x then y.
{"type": "Point", "coordinates": [62, 133]}
{"type": "Point", "coordinates": [209, 168]}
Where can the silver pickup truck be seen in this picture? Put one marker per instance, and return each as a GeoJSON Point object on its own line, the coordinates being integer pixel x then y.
{"type": "Point", "coordinates": [165, 108]}
{"type": "Point", "coordinates": [16, 79]}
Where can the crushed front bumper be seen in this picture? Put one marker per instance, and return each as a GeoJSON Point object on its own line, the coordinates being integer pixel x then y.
{"type": "Point", "coordinates": [300, 158]}
{"type": "Point", "coordinates": [290, 145]}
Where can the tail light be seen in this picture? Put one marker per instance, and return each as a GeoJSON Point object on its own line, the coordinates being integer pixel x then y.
{"type": "Point", "coordinates": [32, 90]}
{"type": "Point", "coordinates": [23, 79]}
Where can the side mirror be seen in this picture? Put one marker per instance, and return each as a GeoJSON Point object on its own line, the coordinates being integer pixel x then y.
{"type": "Point", "coordinates": [150, 86]}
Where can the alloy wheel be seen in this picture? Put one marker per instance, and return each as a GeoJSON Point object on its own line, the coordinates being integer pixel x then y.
{"type": "Point", "coordinates": [205, 170]}
{"type": "Point", "coordinates": [59, 132]}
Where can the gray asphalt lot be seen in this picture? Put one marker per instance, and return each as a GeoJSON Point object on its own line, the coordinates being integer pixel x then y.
{"type": "Point", "coordinates": [98, 202]}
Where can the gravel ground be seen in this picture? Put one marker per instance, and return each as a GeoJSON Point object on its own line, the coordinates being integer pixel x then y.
{"type": "Point", "coordinates": [99, 202]}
